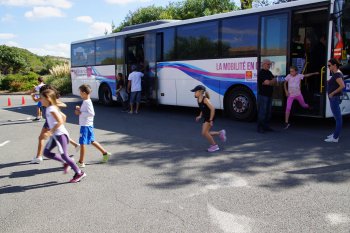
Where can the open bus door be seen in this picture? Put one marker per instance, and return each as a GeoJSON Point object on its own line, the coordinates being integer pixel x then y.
{"type": "Point", "coordinates": [308, 52]}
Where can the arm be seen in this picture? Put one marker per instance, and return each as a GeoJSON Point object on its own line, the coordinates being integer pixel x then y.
{"type": "Point", "coordinates": [211, 107]}
{"type": "Point", "coordinates": [34, 97]}
{"type": "Point", "coordinates": [339, 89]}
{"type": "Point", "coordinates": [269, 82]}
{"type": "Point", "coordinates": [129, 85]}
{"type": "Point", "coordinates": [311, 74]}
{"type": "Point", "coordinates": [285, 88]}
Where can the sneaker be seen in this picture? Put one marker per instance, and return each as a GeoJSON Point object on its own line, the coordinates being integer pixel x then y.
{"type": "Point", "coordinates": [78, 177]}
{"type": "Point", "coordinates": [81, 165]}
{"type": "Point", "coordinates": [331, 139]}
{"type": "Point", "coordinates": [37, 119]}
{"type": "Point", "coordinates": [213, 148]}
{"type": "Point", "coordinates": [222, 135]}
{"type": "Point", "coordinates": [36, 160]}
{"type": "Point", "coordinates": [130, 112]}
{"type": "Point", "coordinates": [330, 136]}
{"type": "Point", "coordinates": [66, 168]}
{"type": "Point", "coordinates": [286, 125]}
{"type": "Point", "coordinates": [106, 157]}
{"type": "Point", "coordinates": [77, 148]}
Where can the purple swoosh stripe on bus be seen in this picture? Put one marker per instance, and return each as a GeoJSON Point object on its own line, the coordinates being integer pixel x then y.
{"type": "Point", "coordinates": [236, 76]}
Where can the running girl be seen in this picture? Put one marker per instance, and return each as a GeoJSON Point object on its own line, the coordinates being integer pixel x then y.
{"type": "Point", "coordinates": [58, 135]}
{"type": "Point", "coordinates": [207, 112]}
{"type": "Point", "coordinates": [293, 92]}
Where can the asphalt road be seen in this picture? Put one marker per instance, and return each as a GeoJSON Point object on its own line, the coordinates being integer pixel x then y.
{"type": "Point", "coordinates": [161, 179]}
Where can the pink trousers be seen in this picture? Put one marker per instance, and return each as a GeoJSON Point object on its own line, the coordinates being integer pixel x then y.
{"type": "Point", "coordinates": [299, 98]}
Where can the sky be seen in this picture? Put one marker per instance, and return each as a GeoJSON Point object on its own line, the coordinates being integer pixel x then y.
{"type": "Point", "coordinates": [47, 27]}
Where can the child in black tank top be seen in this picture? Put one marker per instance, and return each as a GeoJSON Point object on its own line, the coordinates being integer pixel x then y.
{"type": "Point", "coordinates": [207, 112]}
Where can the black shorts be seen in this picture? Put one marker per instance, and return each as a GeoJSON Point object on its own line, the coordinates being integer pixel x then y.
{"type": "Point", "coordinates": [207, 119]}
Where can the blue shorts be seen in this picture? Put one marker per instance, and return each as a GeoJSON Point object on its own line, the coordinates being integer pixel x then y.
{"type": "Point", "coordinates": [39, 104]}
{"type": "Point", "coordinates": [87, 135]}
{"type": "Point", "coordinates": [135, 97]}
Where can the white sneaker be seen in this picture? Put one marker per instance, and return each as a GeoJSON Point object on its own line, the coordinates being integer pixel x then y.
{"type": "Point", "coordinates": [331, 139]}
{"type": "Point", "coordinates": [330, 136]}
{"type": "Point", "coordinates": [81, 165]}
{"type": "Point", "coordinates": [36, 160]}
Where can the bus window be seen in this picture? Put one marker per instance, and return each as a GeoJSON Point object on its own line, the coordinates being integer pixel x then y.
{"type": "Point", "coordinates": [240, 37]}
{"type": "Point", "coordinates": [198, 41]}
{"type": "Point", "coordinates": [83, 54]}
{"type": "Point", "coordinates": [105, 52]}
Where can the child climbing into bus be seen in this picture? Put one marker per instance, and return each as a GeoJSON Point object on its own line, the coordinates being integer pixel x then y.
{"type": "Point", "coordinates": [207, 112]}
{"type": "Point", "coordinates": [121, 91]}
{"type": "Point", "coordinates": [293, 91]}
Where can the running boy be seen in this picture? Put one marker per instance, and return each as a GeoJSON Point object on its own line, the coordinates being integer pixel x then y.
{"type": "Point", "coordinates": [58, 135]}
{"type": "Point", "coordinates": [86, 115]}
{"type": "Point", "coordinates": [36, 93]}
{"type": "Point", "coordinates": [207, 112]}
{"type": "Point", "coordinates": [293, 92]}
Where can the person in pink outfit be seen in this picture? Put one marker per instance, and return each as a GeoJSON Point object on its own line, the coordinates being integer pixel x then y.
{"type": "Point", "coordinates": [293, 91]}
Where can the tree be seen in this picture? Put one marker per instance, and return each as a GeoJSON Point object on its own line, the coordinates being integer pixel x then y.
{"type": "Point", "coordinates": [11, 60]}
{"type": "Point", "coordinates": [180, 10]}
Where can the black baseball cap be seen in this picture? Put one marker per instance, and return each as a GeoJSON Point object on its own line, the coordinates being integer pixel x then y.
{"type": "Point", "coordinates": [198, 88]}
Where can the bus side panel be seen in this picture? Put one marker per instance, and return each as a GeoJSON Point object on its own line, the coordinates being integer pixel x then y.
{"type": "Point", "coordinates": [166, 86]}
{"type": "Point", "coordinates": [93, 76]}
{"type": "Point", "coordinates": [218, 75]}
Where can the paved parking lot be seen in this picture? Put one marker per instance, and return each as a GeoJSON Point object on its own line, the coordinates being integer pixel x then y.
{"type": "Point", "coordinates": [161, 179]}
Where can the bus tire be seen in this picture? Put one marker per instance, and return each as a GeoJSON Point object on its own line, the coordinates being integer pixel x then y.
{"type": "Point", "coordinates": [105, 95]}
{"type": "Point", "coordinates": [240, 104]}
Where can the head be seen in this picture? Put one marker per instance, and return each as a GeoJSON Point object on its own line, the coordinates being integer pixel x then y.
{"type": "Point", "coordinates": [48, 86]}
{"type": "Point", "coordinates": [133, 68]}
{"type": "Point", "coordinates": [333, 64]}
{"type": "Point", "coordinates": [293, 70]}
{"type": "Point", "coordinates": [119, 76]}
{"type": "Point", "coordinates": [266, 64]}
{"type": "Point", "coordinates": [200, 91]}
{"type": "Point", "coordinates": [85, 91]}
{"type": "Point", "coordinates": [40, 79]}
{"type": "Point", "coordinates": [48, 97]}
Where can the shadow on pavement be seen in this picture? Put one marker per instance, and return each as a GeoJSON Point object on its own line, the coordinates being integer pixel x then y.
{"type": "Point", "coordinates": [168, 139]}
{"type": "Point", "coordinates": [18, 189]}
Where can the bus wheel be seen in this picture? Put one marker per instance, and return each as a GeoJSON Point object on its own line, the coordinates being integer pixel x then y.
{"type": "Point", "coordinates": [105, 95]}
{"type": "Point", "coordinates": [240, 104]}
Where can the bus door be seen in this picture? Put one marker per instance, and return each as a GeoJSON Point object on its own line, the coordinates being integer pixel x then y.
{"type": "Point", "coordinates": [134, 55]}
{"type": "Point", "coordinates": [308, 52]}
{"type": "Point", "coordinates": [274, 46]}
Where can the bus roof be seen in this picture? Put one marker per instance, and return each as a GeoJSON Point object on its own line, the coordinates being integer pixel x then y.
{"type": "Point", "coordinates": [139, 28]}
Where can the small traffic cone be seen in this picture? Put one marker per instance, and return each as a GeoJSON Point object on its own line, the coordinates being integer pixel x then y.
{"type": "Point", "coordinates": [9, 102]}
{"type": "Point", "coordinates": [23, 101]}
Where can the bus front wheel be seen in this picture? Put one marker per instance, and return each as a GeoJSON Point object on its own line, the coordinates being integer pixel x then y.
{"type": "Point", "coordinates": [105, 95]}
{"type": "Point", "coordinates": [240, 104]}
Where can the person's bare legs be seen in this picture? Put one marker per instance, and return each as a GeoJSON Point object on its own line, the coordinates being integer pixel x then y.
{"type": "Point", "coordinates": [41, 141]}
{"type": "Point", "coordinates": [205, 132]}
{"type": "Point", "coordinates": [137, 107]}
{"type": "Point", "coordinates": [82, 153]}
{"type": "Point", "coordinates": [99, 147]}
{"type": "Point", "coordinates": [131, 108]}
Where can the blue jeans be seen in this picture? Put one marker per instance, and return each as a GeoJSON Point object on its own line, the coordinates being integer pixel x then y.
{"type": "Point", "coordinates": [335, 107]}
{"type": "Point", "coordinates": [264, 111]}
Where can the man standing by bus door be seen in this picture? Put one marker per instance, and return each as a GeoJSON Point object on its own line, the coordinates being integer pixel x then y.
{"type": "Point", "coordinates": [266, 81]}
{"type": "Point", "coordinates": [134, 88]}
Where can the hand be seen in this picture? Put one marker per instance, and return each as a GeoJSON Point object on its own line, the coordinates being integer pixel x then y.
{"type": "Point", "coordinates": [198, 118]}
{"type": "Point", "coordinates": [77, 112]}
{"type": "Point", "coordinates": [287, 93]}
{"type": "Point", "coordinates": [330, 95]}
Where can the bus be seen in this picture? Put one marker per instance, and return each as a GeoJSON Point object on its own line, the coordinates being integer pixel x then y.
{"type": "Point", "coordinates": [223, 52]}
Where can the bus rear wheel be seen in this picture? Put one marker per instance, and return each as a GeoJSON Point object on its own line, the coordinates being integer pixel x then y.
{"type": "Point", "coordinates": [105, 95]}
{"type": "Point", "coordinates": [240, 104]}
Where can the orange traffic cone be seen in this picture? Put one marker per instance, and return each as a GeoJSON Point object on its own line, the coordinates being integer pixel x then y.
{"type": "Point", "coordinates": [23, 101]}
{"type": "Point", "coordinates": [8, 102]}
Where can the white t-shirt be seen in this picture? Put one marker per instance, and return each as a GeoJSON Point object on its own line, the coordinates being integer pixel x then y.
{"type": "Point", "coordinates": [294, 84]}
{"type": "Point", "coordinates": [51, 121]}
{"type": "Point", "coordinates": [135, 78]}
{"type": "Point", "coordinates": [37, 89]}
{"type": "Point", "coordinates": [86, 117]}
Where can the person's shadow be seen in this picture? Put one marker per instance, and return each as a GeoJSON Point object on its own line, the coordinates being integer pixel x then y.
{"type": "Point", "coordinates": [17, 189]}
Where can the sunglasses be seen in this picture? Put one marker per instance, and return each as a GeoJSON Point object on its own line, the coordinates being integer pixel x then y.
{"type": "Point", "coordinates": [329, 65]}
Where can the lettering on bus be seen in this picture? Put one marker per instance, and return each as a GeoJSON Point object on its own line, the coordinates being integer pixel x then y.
{"type": "Point", "coordinates": [236, 66]}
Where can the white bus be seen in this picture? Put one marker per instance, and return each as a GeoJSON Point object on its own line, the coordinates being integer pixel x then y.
{"type": "Point", "coordinates": [223, 52]}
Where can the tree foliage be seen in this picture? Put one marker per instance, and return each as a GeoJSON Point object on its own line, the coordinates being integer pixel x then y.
{"type": "Point", "coordinates": [185, 9]}
{"type": "Point", "coordinates": [14, 60]}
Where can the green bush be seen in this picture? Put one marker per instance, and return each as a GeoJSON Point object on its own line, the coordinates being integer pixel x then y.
{"type": "Point", "coordinates": [19, 82]}
{"type": "Point", "coordinates": [63, 84]}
